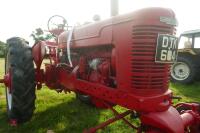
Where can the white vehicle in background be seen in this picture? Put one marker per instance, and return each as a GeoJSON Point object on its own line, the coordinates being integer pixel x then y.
{"type": "Point", "coordinates": [186, 69]}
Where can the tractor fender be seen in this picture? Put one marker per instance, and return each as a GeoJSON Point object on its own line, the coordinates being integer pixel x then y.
{"type": "Point", "coordinates": [168, 121]}
{"type": "Point", "coordinates": [38, 53]}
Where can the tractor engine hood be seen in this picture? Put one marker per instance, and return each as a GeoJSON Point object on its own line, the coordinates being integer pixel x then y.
{"type": "Point", "coordinates": [101, 32]}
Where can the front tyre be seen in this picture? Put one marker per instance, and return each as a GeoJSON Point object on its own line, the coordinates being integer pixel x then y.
{"type": "Point", "coordinates": [20, 93]}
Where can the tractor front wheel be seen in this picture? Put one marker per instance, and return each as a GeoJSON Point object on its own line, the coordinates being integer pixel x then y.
{"type": "Point", "coordinates": [20, 91]}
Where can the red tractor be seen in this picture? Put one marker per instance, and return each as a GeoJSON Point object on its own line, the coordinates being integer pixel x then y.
{"type": "Point", "coordinates": [124, 61]}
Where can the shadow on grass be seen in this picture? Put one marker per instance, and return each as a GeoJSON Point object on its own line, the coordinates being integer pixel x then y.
{"type": "Point", "coordinates": [189, 92]}
{"type": "Point", "coordinates": [69, 117]}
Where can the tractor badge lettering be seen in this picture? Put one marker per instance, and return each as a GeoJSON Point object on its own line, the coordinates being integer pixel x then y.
{"type": "Point", "coordinates": [166, 51]}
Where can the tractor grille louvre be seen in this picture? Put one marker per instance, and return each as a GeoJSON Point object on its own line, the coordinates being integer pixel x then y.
{"type": "Point", "coordinates": [146, 74]}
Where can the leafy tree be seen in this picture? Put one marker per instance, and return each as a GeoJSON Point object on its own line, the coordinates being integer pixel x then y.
{"type": "Point", "coordinates": [40, 35]}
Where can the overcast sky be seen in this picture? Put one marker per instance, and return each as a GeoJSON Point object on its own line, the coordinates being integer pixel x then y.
{"type": "Point", "coordinates": [21, 17]}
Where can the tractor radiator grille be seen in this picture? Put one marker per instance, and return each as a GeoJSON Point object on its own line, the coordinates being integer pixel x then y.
{"type": "Point", "coordinates": [146, 74]}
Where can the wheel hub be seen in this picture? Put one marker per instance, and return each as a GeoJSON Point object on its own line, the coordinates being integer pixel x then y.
{"type": "Point", "coordinates": [7, 81]}
{"type": "Point", "coordinates": [180, 71]}
{"type": "Point", "coordinates": [8, 84]}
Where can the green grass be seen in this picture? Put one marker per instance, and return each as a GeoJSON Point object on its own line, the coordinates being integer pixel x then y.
{"type": "Point", "coordinates": [62, 113]}
{"type": "Point", "coordinates": [188, 93]}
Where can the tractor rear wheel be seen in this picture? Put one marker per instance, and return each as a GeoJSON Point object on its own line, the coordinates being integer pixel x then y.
{"type": "Point", "coordinates": [184, 70]}
{"type": "Point", "coordinates": [84, 98]}
{"type": "Point", "coordinates": [20, 94]}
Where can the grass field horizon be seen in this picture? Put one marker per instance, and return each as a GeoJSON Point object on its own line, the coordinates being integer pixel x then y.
{"type": "Point", "coordinates": [63, 113]}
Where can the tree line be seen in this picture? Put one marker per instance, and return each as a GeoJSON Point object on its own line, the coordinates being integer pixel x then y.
{"type": "Point", "coordinates": [2, 49]}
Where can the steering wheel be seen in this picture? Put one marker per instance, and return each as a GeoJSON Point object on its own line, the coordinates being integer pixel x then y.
{"type": "Point", "coordinates": [57, 24]}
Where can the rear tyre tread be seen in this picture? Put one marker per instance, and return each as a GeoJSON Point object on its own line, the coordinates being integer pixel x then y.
{"type": "Point", "coordinates": [23, 80]}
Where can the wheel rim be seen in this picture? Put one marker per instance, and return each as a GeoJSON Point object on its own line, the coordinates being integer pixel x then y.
{"type": "Point", "coordinates": [8, 90]}
{"type": "Point", "coordinates": [9, 98]}
{"type": "Point", "coordinates": [85, 96]}
{"type": "Point", "coordinates": [180, 71]}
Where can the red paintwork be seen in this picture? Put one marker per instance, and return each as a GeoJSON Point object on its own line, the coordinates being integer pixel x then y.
{"type": "Point", "coordinates": [169, 121]}
{"type": "Point", "coordinates": [13, 122]}
{"type": "Point", "coordinates": [188, 119]}
{"type": "Point", "coordinates": [125, 74]}
{"type": "Point", "coordinates": [38, 52]}
{"type": "Point", "coordinates": [7, 80]}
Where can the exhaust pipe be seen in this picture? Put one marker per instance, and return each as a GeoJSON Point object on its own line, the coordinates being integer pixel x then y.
{"type": "Point", "coordinates": [114, 7]}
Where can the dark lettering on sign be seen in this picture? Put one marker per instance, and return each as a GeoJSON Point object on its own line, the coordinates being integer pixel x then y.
{"type": "Point", "coordinates": [167, 48]}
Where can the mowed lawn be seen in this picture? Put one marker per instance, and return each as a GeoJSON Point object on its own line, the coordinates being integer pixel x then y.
{"type": "Point", "coordinates": [63, 113]}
